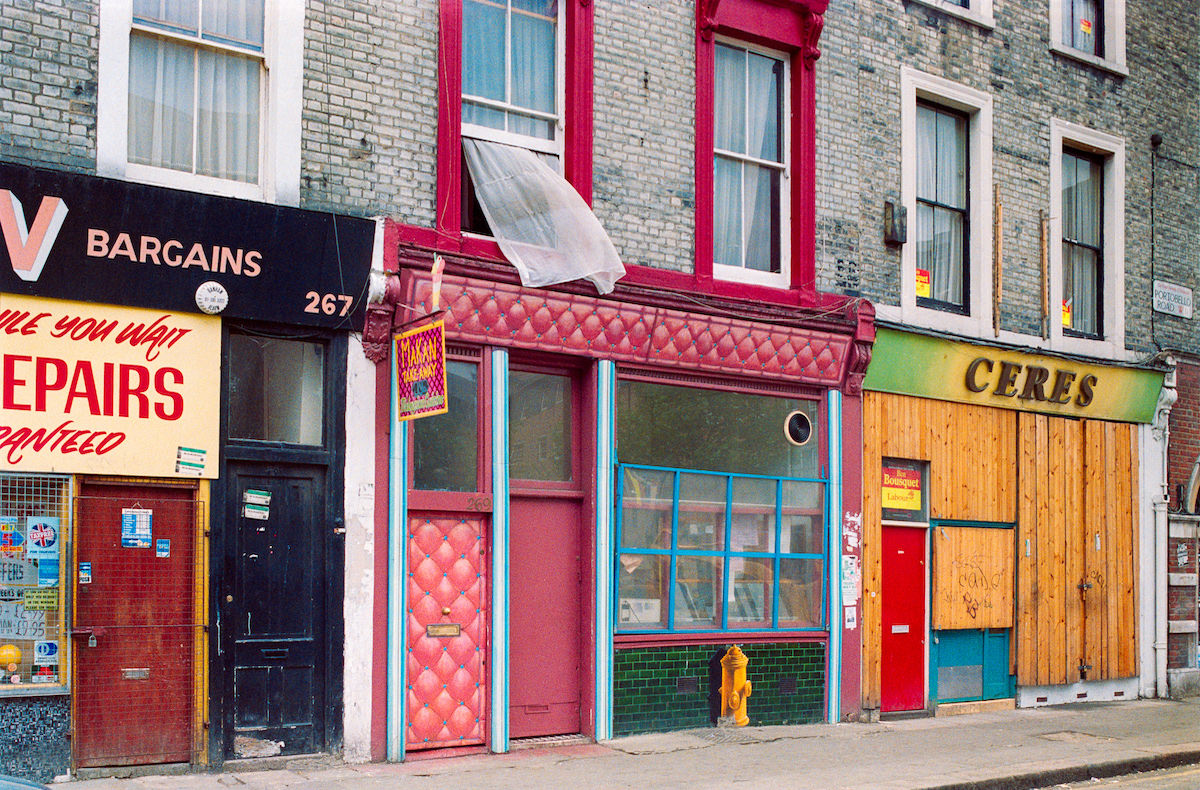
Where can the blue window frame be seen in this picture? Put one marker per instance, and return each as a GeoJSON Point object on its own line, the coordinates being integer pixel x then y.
{"type": "Point", "coordinates": [701, 551]}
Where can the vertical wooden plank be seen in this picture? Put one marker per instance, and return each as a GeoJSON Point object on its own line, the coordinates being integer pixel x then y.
{"type": "Point", "coordinates": [970, 440]}
{"type": "Point", "coordinates": [1008, 463]}
{"type": "Point", "coordinates": [1060, 472]}
{"type": "Point", "coordinates": [1128, 667]}
{"type": "Point", "coordinates": [875, 429]}
{"type": "Point", "coordinates": [1094, 514]}
{"type": "Point", "coordinates": [1121, 547]}
{"type": "Point", "coordinates": [1077, 525]}
{"type": "Point", "coordinates": [940, 430]}
{"type": "Point", "coordinates": [1115, 505]}
{"type": "Point", "coordinates": [1026, 636]}
{"type": "Point", "coordinates": [1045, 538]}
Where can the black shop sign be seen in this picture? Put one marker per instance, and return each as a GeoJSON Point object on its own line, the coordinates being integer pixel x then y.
{"type": "Point", "coordinates": [70, 236]}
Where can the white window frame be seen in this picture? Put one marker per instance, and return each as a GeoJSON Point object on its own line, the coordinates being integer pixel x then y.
{"type": "Point", "coordinates": [555, 147]}
{"type": "Point", "coordinates": [1113, 22]}
{"type": "Point", "coordinates": [977, 12]}
{"type": "Point", "coordinates": [279, 117]}
{"type": "Point", "coordinates": [917, 85]}
{"type": "Point", "coordinates": [1111, 343]}
{"type": "Point", "coordinates": [740, 274]}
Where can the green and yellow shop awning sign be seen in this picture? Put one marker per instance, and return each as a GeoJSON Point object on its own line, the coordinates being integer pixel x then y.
{"type": "Point", "coordinates": [909, 364]}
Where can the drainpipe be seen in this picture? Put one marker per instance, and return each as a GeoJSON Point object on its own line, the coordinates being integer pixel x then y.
{"type": "Point", "coordinates": [1161, 431]}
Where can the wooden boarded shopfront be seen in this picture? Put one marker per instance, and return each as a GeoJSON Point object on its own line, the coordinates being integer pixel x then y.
{"type": "Point", "coordinates": [1032, 518]}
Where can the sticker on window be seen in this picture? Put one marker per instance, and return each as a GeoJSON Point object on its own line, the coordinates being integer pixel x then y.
{"type": "Point", "coordinates": [923, 283]}
{"type": "Point", "coordinates": [12, 537]}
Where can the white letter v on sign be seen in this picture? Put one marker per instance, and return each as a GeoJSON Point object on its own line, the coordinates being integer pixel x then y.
{"type": "Point", "coordinates": [29, 251]}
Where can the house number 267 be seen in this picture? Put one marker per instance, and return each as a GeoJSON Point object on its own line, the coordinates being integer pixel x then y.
{"type": "Point", "coordinates": [328, 303]}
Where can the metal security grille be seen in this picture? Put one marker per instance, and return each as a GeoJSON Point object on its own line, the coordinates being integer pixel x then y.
{"type": "Point", "coordinates": [138, 630]}
{"type": "Point", "coordinates": [34, 522]}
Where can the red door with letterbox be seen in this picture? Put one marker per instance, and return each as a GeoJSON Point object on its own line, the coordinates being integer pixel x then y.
{"type": "Point", "coordinates": [447, 632]}
{"type": "Point", "coordinates": [135, 629]}
{"type": "Point", "coordinates": [903, 609]}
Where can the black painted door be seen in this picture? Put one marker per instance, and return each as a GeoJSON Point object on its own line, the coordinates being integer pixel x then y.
{"type": "Point", "coordinates": [273, 612]}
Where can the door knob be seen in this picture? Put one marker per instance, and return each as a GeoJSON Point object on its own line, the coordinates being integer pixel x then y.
{"type": "Point", "coordinates": [228, 599]}
{"type": "Point", "coordinates": [446, 610]}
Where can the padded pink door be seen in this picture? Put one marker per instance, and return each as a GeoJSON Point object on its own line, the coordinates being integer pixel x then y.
{"type": "Point", "coordinates": [447, 632]}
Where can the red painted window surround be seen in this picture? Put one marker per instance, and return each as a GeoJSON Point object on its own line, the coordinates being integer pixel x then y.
{"type": "Point", "coordinates": [791, 26]}
{"type": "Point", "coordinates": [787, 25]}
{"type": "Point", "coordinates": [577, 142]}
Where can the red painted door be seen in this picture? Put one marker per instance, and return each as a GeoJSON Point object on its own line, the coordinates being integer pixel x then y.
{"type": "Point", "coordinates": [447, 632]}
{"type": "Point", "coordinates": [544, 612]}
{"type": "Point", "coordinates": [134, 675]}
{"type": "Point", "coordinates": [903, 609]}
{"type": "Point", "coordinates": [545, 511]}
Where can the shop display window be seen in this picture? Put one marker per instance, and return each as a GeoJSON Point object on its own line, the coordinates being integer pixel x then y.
{"type": "Point", "coordinates": [35, 516]}
{"type": "Point", "coordinates": [679, 427]}
{"type": "Point", "coordinates": [731, 547]}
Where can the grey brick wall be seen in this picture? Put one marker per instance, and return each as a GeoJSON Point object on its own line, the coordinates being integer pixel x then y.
{"type": "Point", "coordinates": [864, 44]}
{"type": "Point", "coordinates": [48, 83]}
{"type": "Point", "coordinates": [370, 108]}
{"type": "Point", "coordinates": [645, 109]}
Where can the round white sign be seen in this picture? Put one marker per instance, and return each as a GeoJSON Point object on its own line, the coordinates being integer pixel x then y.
{"type": "Point", "coordinates": [211, 297]}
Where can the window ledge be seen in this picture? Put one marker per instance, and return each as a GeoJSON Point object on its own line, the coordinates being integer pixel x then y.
{"type": "Point", "coordinates": [31, 690]}
{"type": "Point", "coordinates": [1111, 66]}
{"type": "Point", "coordinates": [192, 182]}
{"type": "Point", "coordinates": [984, 21]}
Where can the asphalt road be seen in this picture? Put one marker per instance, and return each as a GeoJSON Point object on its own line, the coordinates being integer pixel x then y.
{"type": "Point", "coordinates": [1184, 778]}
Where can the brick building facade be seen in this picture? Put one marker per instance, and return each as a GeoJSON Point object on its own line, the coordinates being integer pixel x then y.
{"type": "Point", "coordinates": [363, 119]}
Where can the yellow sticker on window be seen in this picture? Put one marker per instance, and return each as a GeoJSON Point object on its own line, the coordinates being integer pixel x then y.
{"type": "Point", "coordinates": [923, 283]}
{"type": "Point", "coordinates": [1086, 26]}
{"type": "Point", "coordinates": [1066, 312]}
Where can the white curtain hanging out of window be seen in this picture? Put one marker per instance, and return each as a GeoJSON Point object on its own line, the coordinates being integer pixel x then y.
{"type": "Point", "coordinates": [542, 225]}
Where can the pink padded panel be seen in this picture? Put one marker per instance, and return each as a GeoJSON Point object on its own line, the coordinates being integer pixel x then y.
{"type": "Point", "coordinates": [507, 314]}
{"type": "Point", "coordinates": [447, 687]}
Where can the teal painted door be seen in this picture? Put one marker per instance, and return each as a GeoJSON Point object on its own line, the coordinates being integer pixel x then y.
{"type": "Point", "coordinates": [970, 664]}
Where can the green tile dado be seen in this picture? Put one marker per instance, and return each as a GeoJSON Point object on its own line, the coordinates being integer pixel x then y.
{"type": "Point", "coordinates": [656, 689]}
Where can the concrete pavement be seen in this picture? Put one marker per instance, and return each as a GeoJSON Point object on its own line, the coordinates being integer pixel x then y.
{"type": "Point", "coordinates": [1004, 750]}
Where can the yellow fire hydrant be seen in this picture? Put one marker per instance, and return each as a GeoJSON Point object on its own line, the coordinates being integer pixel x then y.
{"type": "Point", "coordinates": [735, 689]}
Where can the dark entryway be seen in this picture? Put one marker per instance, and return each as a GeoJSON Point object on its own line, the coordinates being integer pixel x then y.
{"type": "Point", "coordinates": [273, 614]}
{"type": "Point", "coordinates": [278, 550]}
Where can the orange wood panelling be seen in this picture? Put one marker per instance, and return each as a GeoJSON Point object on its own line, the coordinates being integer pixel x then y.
{"type": "Point", "coordinates": [971, 452]}
{"type": "Point", "coordinates": [972, 577]}
{"type": "Point", "coordinates": [1069, 485]}
{"type": "Point", "coordinates": [1076, 538]}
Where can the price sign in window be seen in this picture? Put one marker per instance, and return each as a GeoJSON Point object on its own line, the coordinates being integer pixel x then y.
{"type": "Point", "coordinates": [34, 516]}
